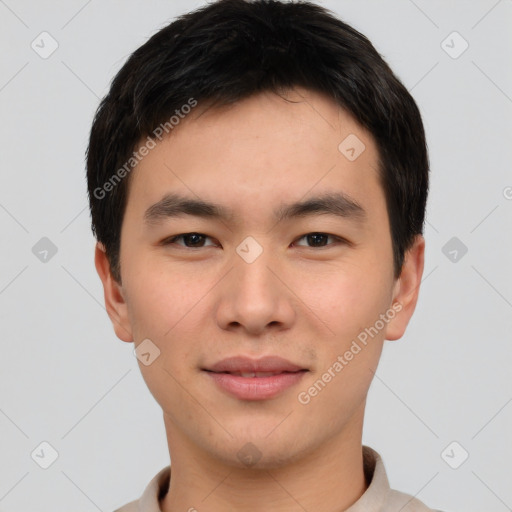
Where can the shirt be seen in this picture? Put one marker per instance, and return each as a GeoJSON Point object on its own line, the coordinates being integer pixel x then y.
{"type": "Point", "coordinates": [378, 497]}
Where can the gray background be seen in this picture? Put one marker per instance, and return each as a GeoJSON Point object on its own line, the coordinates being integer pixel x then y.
{"type": "Point", "coordinates": [67, 380]}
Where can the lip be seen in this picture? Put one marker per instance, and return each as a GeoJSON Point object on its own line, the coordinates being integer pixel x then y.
{"type": "Point", "coordinates": [246, 364]}
{"type": "Point", "coordinates": [226, 374]}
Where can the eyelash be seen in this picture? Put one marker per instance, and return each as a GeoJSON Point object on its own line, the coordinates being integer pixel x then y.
{"type": "Point", "coordinates": [172, 240]}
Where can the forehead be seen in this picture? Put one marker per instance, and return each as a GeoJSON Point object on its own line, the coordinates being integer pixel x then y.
{"type": "Point", "coordinates": [262, 149]}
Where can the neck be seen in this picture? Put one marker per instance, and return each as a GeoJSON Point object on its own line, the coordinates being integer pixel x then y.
{"type": "Point", "coordinates": [329, 479]}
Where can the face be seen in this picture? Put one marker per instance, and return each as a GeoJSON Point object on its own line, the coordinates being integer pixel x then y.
{"type": "Point", "coordinates": [250, 275]}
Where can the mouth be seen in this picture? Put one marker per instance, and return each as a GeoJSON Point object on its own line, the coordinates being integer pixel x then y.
{"type": "Point", "coordinates": [247, 378]}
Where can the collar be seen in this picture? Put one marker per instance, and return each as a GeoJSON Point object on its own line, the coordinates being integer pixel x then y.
{"type": "Point", "coordinates": [378, 497]}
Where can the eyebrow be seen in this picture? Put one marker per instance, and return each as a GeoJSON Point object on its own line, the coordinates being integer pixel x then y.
{"type": "Point", "coordinates": [174, 205]}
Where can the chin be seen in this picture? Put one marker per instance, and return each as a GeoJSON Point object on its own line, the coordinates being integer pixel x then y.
{"type": "Point", "coordinates": [258, 452]}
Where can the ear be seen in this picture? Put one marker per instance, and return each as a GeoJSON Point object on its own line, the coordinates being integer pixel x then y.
{"type": "Point", "coordinates": [406, 289]}
{"type": "Point", "coordinates": [113, 294]}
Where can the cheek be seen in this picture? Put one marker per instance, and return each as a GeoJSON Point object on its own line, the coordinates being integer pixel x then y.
{"type": "Point", "coordinates": [169, 309]}
{"type": "Point", "coordinates": [163, 308]}
{"type": "Point", "coordinates": [346, 299]}
{"type": "Point", "coordinates": [351, 304]}
{"type": "Point", "coordinates": [160, 301]}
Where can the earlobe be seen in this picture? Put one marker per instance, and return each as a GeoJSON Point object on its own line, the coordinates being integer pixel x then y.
{"type": "Point", "coordinates": [407, 288]}
{"type": "Point", "coordinates": [115, 303]}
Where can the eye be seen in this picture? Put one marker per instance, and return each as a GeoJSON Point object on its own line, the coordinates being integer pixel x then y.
{"type": "Point", "coordinates": [190, 240]}
{"type": "Point", "coordinates": [319, 239]}
{"type": "Point", "coordinates": [197, 240]}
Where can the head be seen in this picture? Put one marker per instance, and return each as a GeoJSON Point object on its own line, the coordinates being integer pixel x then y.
{"type": "Point", "coordinates": [277, 134]}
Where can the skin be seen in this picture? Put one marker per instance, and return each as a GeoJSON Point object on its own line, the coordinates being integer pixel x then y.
{"type": "Point", "coordinates": [297, 300]}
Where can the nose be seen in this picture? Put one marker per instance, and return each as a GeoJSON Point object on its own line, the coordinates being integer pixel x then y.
{"type": "Point", "coordinates": [254, 297]}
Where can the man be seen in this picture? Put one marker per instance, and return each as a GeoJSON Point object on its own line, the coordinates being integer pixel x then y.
{"type": "Point", "coordinates": [257, 179]}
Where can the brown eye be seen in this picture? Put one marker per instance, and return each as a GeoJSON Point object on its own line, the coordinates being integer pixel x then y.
{"type": "Point", "coordinates": [190, 240]}
{"type": "Point", "coordinates": [319, 239]}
